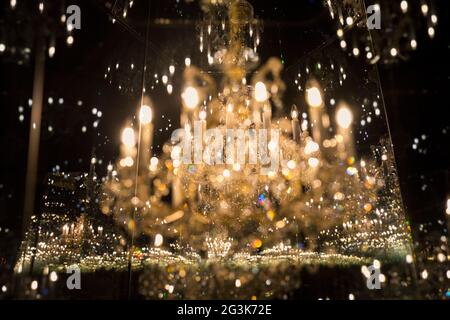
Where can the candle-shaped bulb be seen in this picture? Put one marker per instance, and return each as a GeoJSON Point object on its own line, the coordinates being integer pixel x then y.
{"type": "Point", "coordinates": [187, 126]}
{"type": "Point", "coordinates": [145, 114]}
{"type": "Point", "coordinates": [190, 97]}
{"type": "Point", "coordinates": [295, 124]}
{"type": "Point", "coordinates": [260, 92]}
{"type": "Point", "coordinates": [294, 112]}
{"type": "Point", "coordinates": [202, 114]}
{"type": "Point", "coordinates": [314, 97]}
{"type": "Point", "coordinates": [344, 117]}
{"type": "Point", "coordinates": [128, 138]}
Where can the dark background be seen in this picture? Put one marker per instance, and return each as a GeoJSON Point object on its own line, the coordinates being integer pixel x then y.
{"type": "Point", "coordinates": [415, 93]}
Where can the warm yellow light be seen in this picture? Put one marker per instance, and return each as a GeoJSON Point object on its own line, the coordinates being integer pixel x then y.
{"type": "Point", "coordinates": [313, 162]}
{"type": "Point", "coordinates": [314, 97]}
{"type": "Point", "coordinates": [202, 114]}
{"type": "Point", "coordinates": [158, 240]}
{"type": "Point", "coordinates": [260, 92]}
{"type": "Point", "coordinates": [51, 51]}
{"type": "Point", "coordinates": [53, 276]}
{"type": "Point", "coordinates": [291, 164]}
{"type": "Point", "coordinates": [294, 112]}
{"type": "Point", "coordinates": [311, 147]}
{"type": "Point", "coordinates": [424, 9]}
{"type": "Point", "coordinates": [190, 97]}
{"type": "Point", "coordinates": [128, 138]}
{"type": "Point", "coordinates": [344, 117]}
{"type": "Point", "coordinates": [69, 40]}
{"type": "Point", "coordinates": [145, 114]}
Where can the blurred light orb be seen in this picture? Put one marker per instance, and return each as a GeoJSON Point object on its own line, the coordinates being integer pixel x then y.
{"type": "Point", "coordinates": [344, 117]}
{"type": "Point", "coordinates": [145, 114]}
{"type": "Point", "coordinates": [260, 92]}
{"type": "Point", "coordinates": [128, 138]}
{"type": "Point", "coordinates": [314, 97]}
{"type": "Point", "coordinates": [190, 97]}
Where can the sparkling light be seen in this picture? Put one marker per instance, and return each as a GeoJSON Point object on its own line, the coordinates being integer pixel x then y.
{"type": "Point", "coordinates": [404, 6]}
{"type": "Point", "coordinates": [51, 51]}
{"type": "Point", "coordinates": [128, 137]}
{"type": "Point", "coordinates": [190, 97]}
{"type": "Point", "coordinates": [145, 114]}
{"type": "Point", "coordinates": [344, 117]}
{"type": "Point", "coordinates": [314, 97]}
{"type": "Point", "coordinates": [260, 92]}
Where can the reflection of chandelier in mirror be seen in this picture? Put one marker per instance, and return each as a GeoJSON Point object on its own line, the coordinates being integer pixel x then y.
{"type": "Point", "coordinates": [199, 225]}
{"type": "Point", "coordinates": [321, 182]}
{"type": "Point", "coordinates": [402, 23]}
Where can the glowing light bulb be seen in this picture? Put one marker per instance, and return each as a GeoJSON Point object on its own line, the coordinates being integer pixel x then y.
{"type": "Point", "coordinates": [53, 276]}
{"type": "Point", "coordinates": [202, 114]}
{"type": "Point", "coordinates": [314, 97]}
{"type": "Point", "coordinates": [158, 240]}
{"type": "Point", "coordinates": [344, 117]}
{"type": "Point", "coordinates": [260, 92]}
{"type": "Point", "coordinates": [349, 21]}
{"type": "Point", "coordinates": [434, 19]}
{"type": "Point", "coordinates": [172, 69]}
{"type": "Point", "coordinates": [424, 8]}
{"type": "Point", "coordinates": [404, 6]}
{"type": "Point", "coordinates": [51, 51]}
{"type": "Point", "coordinates": [145, 114]}
{"type": "Point", "coordinates": [128, 138]}
{"type": "Point", "coordinates": [69, 40]}
{"type": "Point", "coordinates": [311, 147]}
{"type": "Point", "coordinates": [2, 47]}
{"type": "Point", "coordinates": [190, 97]}
{"type": "Point", "coordinates": [394, 52]}
{"type": "Point", "coordinates": [294, 112]}
{"type": "Point", "coordinates": [413, 44]}
{"type": "Point", "coordinates": [187, 62]}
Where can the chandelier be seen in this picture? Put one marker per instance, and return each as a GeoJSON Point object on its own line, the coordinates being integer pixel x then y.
{"type": "Point", "coordinates": [245, 190]}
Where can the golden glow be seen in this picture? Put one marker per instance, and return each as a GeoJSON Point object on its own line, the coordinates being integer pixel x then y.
{"type": "Point", "coordinates": [313, 162]}
{"type": "Point", "coordinates": [128, 138]}
{"type": "Point", "coordinates": [145, 114]}
{"type": "Point", "coordinates": [314, 97]}
{"type": "Point", "coordinates": [344, 117]}
{"type": "Point", "coordinates": [311, 147]}
{"type": "Point", "coordinates": [294, 112]}
{"type": "Point", "coordinates": [51, 51]}
{"type": "Point", "coordinates": [53, 276]}
{"type": "Point", "coordinates": [404, 6]}
{"type": "Point", "coordinates": [260, 92]}
{"type": "Point", "coordinates": [202, 115]}
{"type": "Point", "coordinates": [190, 97]}
{"type": "Point", "coordinates": [158, 240]}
